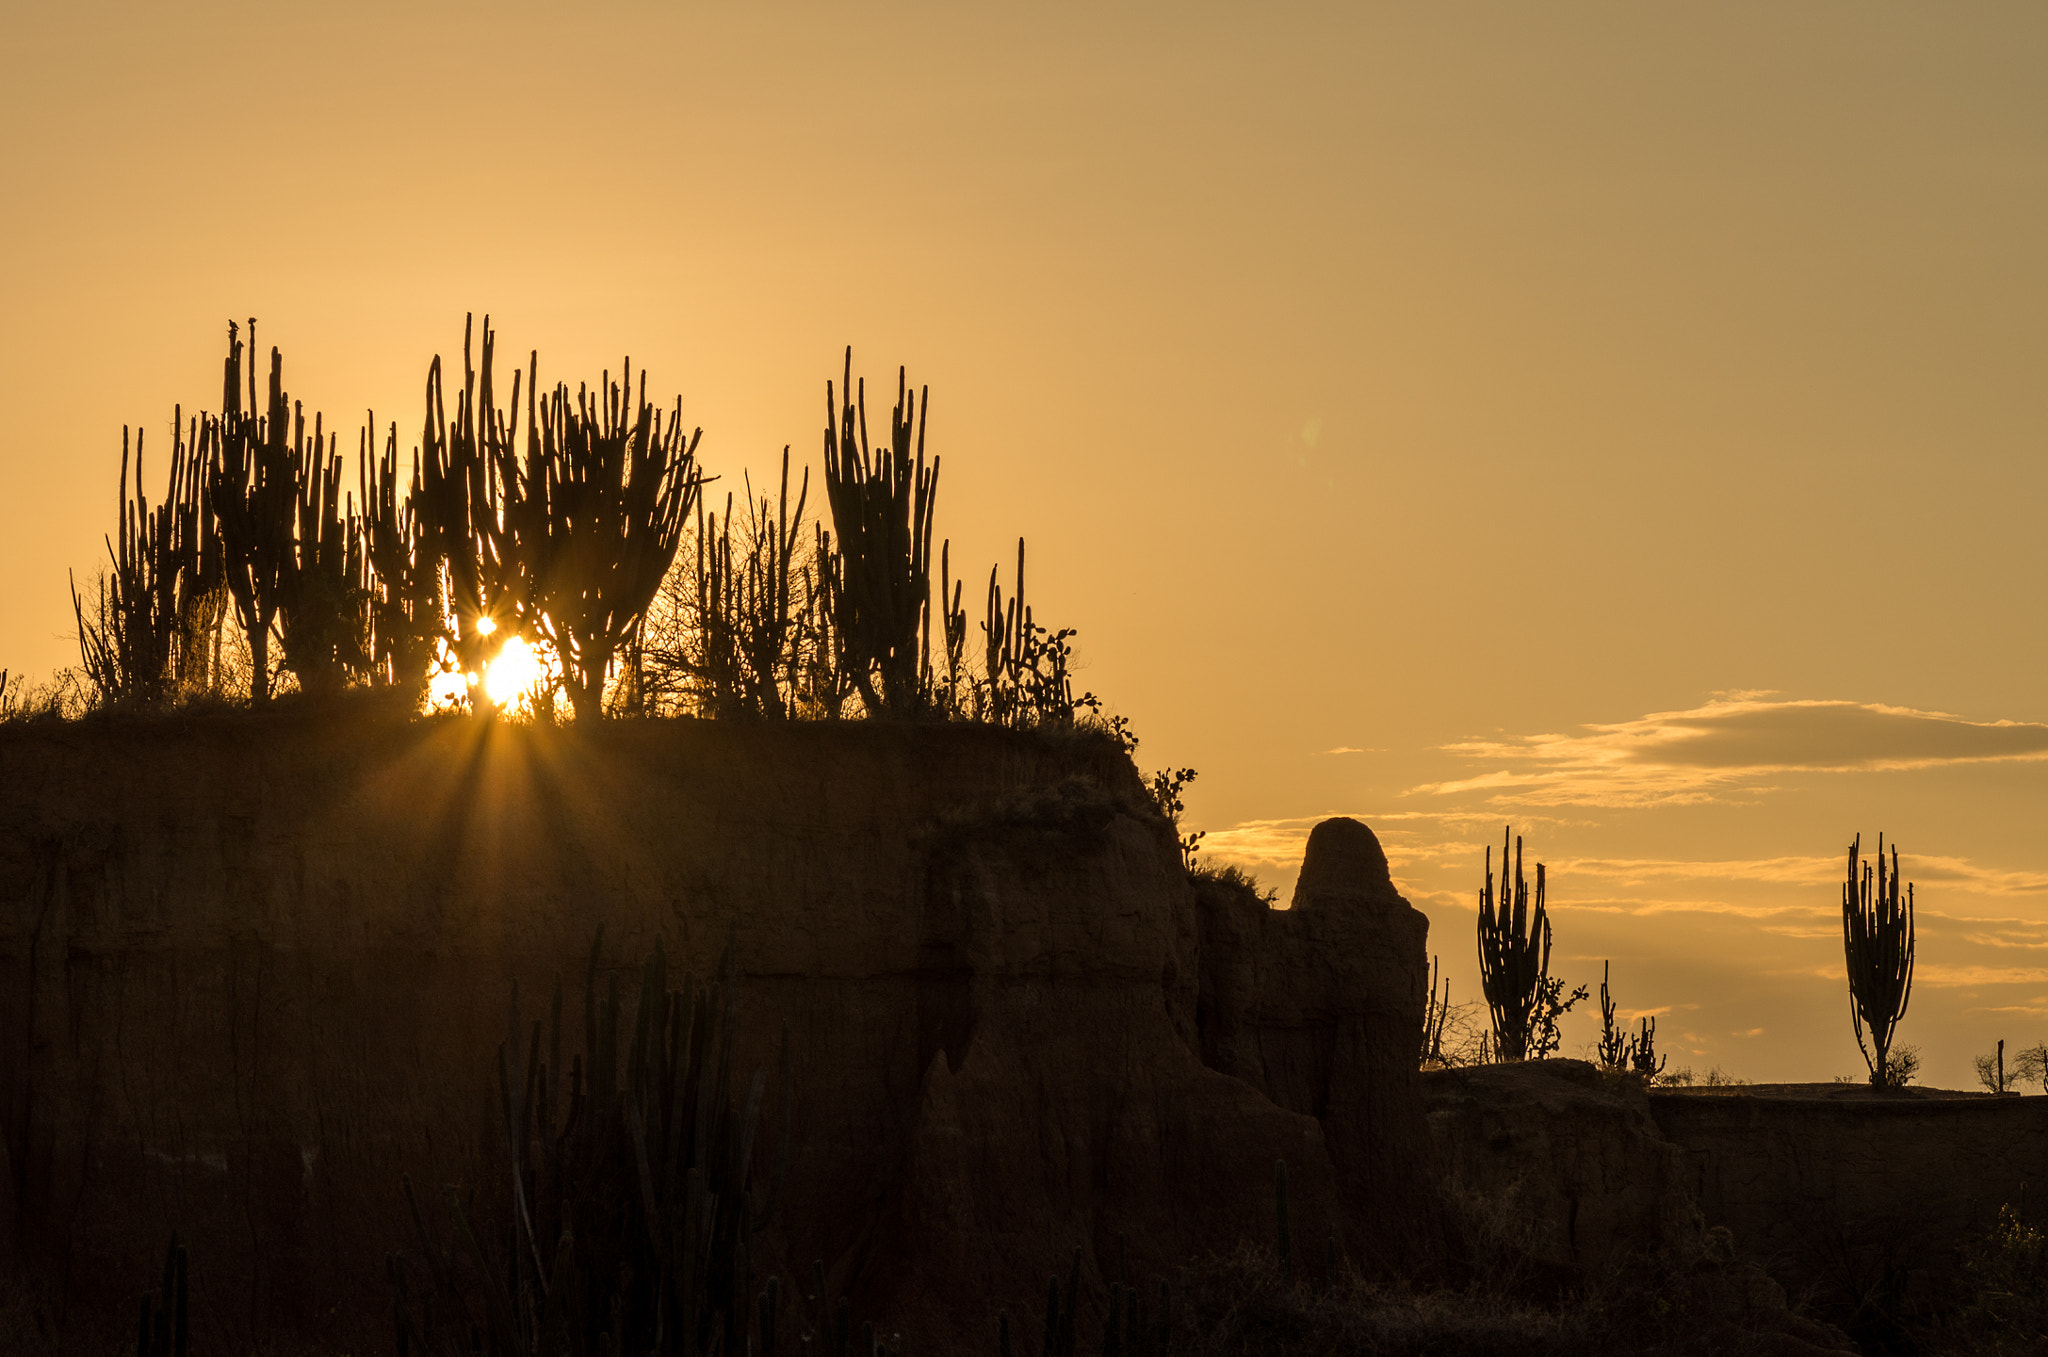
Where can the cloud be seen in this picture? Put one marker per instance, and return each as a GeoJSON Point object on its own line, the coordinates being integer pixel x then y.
{"type": "Point", "coordinates": [1954, 977]}
{"type": "Point", "coordinates": [1729, 747]}
{"type": "Point", "coordinates": [2036, 1009]}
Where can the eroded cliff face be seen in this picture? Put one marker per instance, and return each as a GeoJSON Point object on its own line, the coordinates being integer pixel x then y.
{"type": "Point", "coordinates": [1864, 1198]}
{"type": "Point", "coordinates": [253, 969]}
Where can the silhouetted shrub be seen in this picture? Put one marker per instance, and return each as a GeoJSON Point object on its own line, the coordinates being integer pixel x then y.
{"type": "Point", "coordinates": [742, 625]}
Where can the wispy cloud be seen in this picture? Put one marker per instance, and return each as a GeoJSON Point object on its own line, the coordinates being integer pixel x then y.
{"type": "Point", "coordinates": [1950, 977]}
{"type": "Point", "coordinates": [1420, 850]}
{"type": "Point", "coordinates": [1729, 748]}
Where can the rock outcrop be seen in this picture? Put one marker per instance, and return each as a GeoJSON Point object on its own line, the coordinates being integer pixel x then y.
{"type": "Point", "coordinates": [253, 968]}
{"type": "Point", "coordinates": [1564, 1160]}
{"type": "Point", "coordinates": [1319, 1006]}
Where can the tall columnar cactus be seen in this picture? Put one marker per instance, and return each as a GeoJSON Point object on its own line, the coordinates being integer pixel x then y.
{"type": "Point", "coordinates": [289, 544]}
{"type": "Point", "coordinates": [567, 539]}
{"type": "Point", "coordinates": [1514, 953]}
{"type": "Point", "coordinates": [132, 638]}
{"type": "Point", "coordinates": [1877, 945]}
{"type": "Point", "coordinates": [1614, 1043]}
{"type": "Point", "coordinates": [632, 1196]}
{"type": "Point", "coordinates": [1026, 668]}
{"type": "Point", "coordinates": [324, 599]}
{"type": "Point", "coordinates": [608, 485]}
{"type": "Point", "coordinates": [249, 482]}
{"type": "Point", "coordinates": [461, 502]}
{"type": "Point", "coordinates": [406, 600]}
{"type": "Point", "coordinates": [166, 1330]}
{"type": "Point", "coordinates": [882, 501]}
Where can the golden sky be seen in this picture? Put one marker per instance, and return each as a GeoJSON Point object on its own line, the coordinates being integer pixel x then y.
{"type": "Point", "coordinates": [1623, 420]}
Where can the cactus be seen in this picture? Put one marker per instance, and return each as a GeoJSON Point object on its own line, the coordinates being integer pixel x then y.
{"type": "Point", "coordinates": [1642, 1051]}
{"type": "Point", "coordinates": [406, 604]}
{"type": "Point", "coordinates": [631, 1210]}
{"type": "Point", "coordinates": [323, 595]}
{"type": "Point", "coordinates": [165, 1330]}
{"type": "Point", "coordinates": [1026, 677]}
{"type": "Point", "coordinates": [608, 486]}
{"type": "Point", "coordinates": [1613, 1041]}
{"type": "Point", "coordinates": [567, 541]}
{"type": "Point", "coordinates": [1514, 963]}
{"type": "Point", "coordinates": [136, 641]}
{"type": "Point", "coordinates": [1877, 945]}
{"type": "Point", "coordinates": [255, 515]}
{"type": "Point", "coordinates": [882, 502]}
{"type": "Point", "coordinates": [250, 485]}
{"type": "Point", "coordinates": [1060, 1307]}
{"type": "Point", "coordinates": [1435, 1013]}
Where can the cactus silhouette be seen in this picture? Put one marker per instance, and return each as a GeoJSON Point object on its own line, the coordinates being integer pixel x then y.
{"type": "Point", "coordinates": [634, 1208]}
{"type": "Point", "coordinates": [1877, 946]}
{"type": "Point", "coordinates": [323, 604]}
{"type": "Point", "coordinates": [289, 544]}
{"type": "Point", "coordinates": [754, 640]}
{"type": "Point", "coordinates": [405, 596]}
{"type": "Point", "coordinates": [568, 540]}
{"type": "Point", "coordinates": [1514, 953]}
{"type": "Point", "coordinates": [134, 638]}
{"type": "Point", "coordinates": [1436, 1012]}
{"type": "Point", "coordinates": [882, 500]}
{"type": "Point", "coordinates": [165, 1331]}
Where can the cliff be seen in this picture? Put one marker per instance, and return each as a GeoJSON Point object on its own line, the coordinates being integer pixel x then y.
{"type": "Point", "coordinates": [252, 969]}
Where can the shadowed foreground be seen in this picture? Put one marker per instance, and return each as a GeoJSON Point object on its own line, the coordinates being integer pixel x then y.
{"type": "Point", "coordinates": [256, 968]}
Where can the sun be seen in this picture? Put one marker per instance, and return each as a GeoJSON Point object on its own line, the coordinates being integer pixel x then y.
{"type": "Point", "coordinates": [512, 672]}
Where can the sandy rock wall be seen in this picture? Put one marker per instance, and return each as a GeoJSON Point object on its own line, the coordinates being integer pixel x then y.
{"type": "Point", "coordinates": [252, 969]}
{"type": "Point", "coordinates": [1561, 1160]}
{"type": "Point", "coordinates": [1856, 1195]}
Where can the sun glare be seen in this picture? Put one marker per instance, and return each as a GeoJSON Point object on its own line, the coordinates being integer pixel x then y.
{"type": "Point", "coordinates": [513, 671]}
{"type": "Point", "coordinates": [447, 688]}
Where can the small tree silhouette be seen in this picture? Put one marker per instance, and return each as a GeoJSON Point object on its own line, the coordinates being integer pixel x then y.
{"type": "Point", "coordinates": [1877, 944]}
